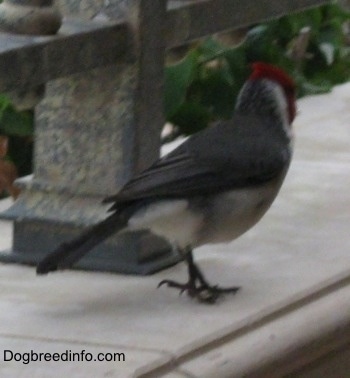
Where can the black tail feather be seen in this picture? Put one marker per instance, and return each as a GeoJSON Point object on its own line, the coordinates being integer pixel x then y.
{"type": "Point", "coordinates": [66, 254]}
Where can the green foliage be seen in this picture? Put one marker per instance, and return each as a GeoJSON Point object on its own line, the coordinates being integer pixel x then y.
{"type": "Point", "coordinates": [178, 79]}
{"type": "Point", "coordinates": [204, 85]}
{"type": "Point", "coordinates": [19, 127]}
{"type": "Point", "coordinates": [13, 122]}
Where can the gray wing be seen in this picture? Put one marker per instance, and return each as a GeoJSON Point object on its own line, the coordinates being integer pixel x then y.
{"type": "Point", "coordinates": [228, 155]}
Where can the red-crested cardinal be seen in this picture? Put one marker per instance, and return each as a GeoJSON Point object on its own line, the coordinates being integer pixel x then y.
{"type": "Point", "coordinates": [212, 188]}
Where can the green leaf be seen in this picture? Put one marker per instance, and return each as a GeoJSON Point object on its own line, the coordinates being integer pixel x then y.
{"type": "Point", "coordinates": [17, 123]}
{"type": "Point", "coordinates": [328, 51]}
{"type": "Point", "coordinates": [178, 78]}
{"type": "Point", "coordinates": [207, 84]}
{"type": "Point", "coordinates": [338, 73]}
{"type": "Point", "coordinates": [210, 49]}
{"type": "Point", "coordinates": [311, 18]}
{"type": "Point", "coordinates": [191, 117]}
{"type": "Point", "coordinates": [330, 40]}
{"type": "Point", "coordinates": [335, 12]}
{"type": "Point", "coordinates": [4, 103]}
{"type": "Point", "coordinates": [262, 45]}
{"type": "Point", "coordinates": [21, 153]}
{"type": "Point", "coordinates": [310, 88]}
{"type": "Point", "coordinates": [236, 59]}
{"type": "Point", "coordinates": [217, 93]}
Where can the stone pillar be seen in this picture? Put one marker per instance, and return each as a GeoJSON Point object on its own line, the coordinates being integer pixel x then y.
{"type": "Point", "coordinates": [38, 17]}
{"type": "Point", "coordinates": [95, 130]}
{"type": "Point", "coordinates": [29, 17]}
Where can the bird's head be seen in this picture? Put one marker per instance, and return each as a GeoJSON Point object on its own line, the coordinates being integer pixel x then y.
{"type": "Point", "coordinates": [268, 92]}
{"type": "Point", "coordinates": [268, 71]}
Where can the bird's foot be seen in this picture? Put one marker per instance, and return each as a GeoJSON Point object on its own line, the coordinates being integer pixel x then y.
{"type": "Point", "coordinates": [197, 286]}
{"type": "Point", "coordinates": [203, 292]}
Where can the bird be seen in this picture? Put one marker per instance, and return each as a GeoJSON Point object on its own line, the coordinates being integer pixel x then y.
{"type": "Point", "coordinates": [211, 189]}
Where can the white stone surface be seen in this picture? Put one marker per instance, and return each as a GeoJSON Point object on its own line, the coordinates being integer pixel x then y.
{"type": "Point", "coordinates": [299, 248]}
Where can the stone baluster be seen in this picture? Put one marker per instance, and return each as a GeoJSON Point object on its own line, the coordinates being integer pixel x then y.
{"type": "Point", "coordinates": [35, 17]}
{"type": "Point", "coordinates": [93, 131]}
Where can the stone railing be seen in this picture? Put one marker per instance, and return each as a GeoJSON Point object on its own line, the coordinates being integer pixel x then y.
{"type": "Point", "coordinates": [95, 81]}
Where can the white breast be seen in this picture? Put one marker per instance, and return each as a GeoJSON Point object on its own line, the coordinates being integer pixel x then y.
{"type": "Point", "coordinates": [235, 212]}
{"type": "Point", "coordinates": [170, 219]}
{"type": "Point", "coordinates": [216, 219]}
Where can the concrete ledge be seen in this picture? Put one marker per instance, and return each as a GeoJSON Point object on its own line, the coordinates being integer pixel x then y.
{"type": "Point", "coordinates": [292, 316]}
{"type": "Point", "coordinates": [281, 341]}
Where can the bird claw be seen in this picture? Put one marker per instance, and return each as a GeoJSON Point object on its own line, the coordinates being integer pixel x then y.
{"type": "Point", "coordinates": [174, 284]}
{"type": "Point", "coordinates": [204, 293]}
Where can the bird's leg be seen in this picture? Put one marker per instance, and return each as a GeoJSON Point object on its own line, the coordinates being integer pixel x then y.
{"type": "Point", "coordinates": [197, 286]}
